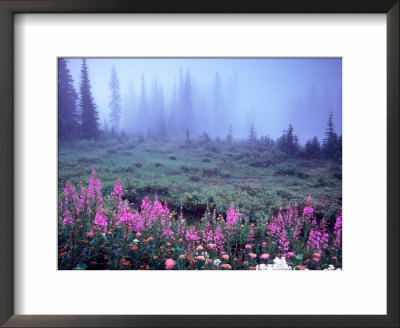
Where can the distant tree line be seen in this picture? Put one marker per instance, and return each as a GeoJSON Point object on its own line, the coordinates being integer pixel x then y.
{"type": "Point", "coordinates": [288, 143]}
{"type": "Point", "coordinates": [79, 117]}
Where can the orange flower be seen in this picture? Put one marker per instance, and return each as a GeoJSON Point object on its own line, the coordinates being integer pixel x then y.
{"type": "Point", "coordinates": [155, 257]}
{"type": "Point", "coordinates": [150, 238]}
{"type": "Point", "coordinates": [90, 234]}
{"type": "Point", "coordinates": [180, 240]}
{"type": "Point", "coordinates": [103, 247]}
{"type": "Point", "coordinates": [169, 244]}
{"type": "Point", "coordinates": [181, 257]}
{"type": "Point", "coordinates": [134, 248]}
{"type": "Point", "coordinates": [147, 267]}
{"type": "Point", "coordinates": [225, 257]}
{"type": "Point", "coordinates": [226, 266]}
{"type": "Point", "coordinates": [301, 267]}
{"type": "Point", "coordinates": [105, 257]}
{"type": "Point", "coordinates": [109, 232]}
{"type": "Point", "coordinates": [251, 268]}
{"type": "Point", "coordinates": [209, 261]}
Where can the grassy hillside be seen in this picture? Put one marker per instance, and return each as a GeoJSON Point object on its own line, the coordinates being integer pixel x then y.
{"type": "Point", "coordinates": [196, 174]}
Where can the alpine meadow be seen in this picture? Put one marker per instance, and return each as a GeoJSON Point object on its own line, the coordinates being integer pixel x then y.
{"type": "Point", "coordinates": [200, 164]}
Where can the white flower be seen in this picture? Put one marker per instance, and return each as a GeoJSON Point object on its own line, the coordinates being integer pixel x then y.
{"type": "Point", "coordinates": [217, 262]}
{"type": "Point", "coordinates": [279, 264]}
{"type": "Point", "coordinates": [330, 268]}
{"type": "Point", "coordinates": [103, 235]}
{"type": "Point", "coordinates": [261, 267]}
{"type": "Point", "coordinates": [135, 241]}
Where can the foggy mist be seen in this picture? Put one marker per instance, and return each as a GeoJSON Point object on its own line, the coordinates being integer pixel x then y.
{"type": "Point", "coordinates": [270, 93]}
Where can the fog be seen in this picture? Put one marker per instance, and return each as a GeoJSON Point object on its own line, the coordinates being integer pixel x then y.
{"type": "Point", "coordinates": [270, 93]}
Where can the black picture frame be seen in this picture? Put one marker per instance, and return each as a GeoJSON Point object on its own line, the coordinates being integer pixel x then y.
{"type": "Point", "coordinates": [8, 200]}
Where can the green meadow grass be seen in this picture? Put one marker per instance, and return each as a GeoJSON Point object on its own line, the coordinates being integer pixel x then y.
{"type": "Point", "coordinates": [198, 176]}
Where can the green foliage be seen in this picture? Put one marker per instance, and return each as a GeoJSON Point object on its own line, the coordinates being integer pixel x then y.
{"type": "Point", "coordinates": [259, 181]}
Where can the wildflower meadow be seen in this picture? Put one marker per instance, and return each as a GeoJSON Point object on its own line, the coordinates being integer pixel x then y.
{"type": "Point", "coordinates": [200, 164]}
{"type": "Point", "coordinates": [105, 232]}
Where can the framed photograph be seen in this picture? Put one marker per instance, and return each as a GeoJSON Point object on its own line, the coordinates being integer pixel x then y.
{"type": "Point", "coordinates": [187, 164]}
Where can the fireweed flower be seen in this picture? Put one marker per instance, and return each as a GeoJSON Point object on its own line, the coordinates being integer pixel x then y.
{"type": "Point", "coordinates": [68, 220]}
{"type": "Point", "coordinates": [219, 238]}
{"type": "Point", "coordinates": [94, 190]}
{"type": "Point", "coordinates": [232, 216]}
{"type": "Point", "coordinates": [308, 212]}
{"type": "Point", "coordinates": [270, 235]}
{"type": "Point", "coordinates": [317, 241]}
{"type": "Point", "coordinates": [337, 231]}
{"type": "Point", "coordinates": [117, 192]}
{"type": "Point", "coordinates": [100, 220]}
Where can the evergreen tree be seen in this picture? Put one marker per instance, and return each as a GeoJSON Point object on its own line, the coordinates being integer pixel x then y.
{"type": "Point", "coordinates": [116, 101]}
{"type": "Point", "coordinates": [89, 114]}
{"type": "Point", "coordinates": [143, 114]}
{"type": "Point", "coordinates": [313, 149]}
{"type": "Point", "coordinates": [162, 127]}
{"type": "Point", "coordinates": [68, 116]}
{"type": "Point", "coordinates": [229, 138]}
{"type": "Point", "coordinates": [330, 142]}
{"type": "Point", "coordinates": [106, 128]}
{"type": "Point", "coordinates": [188, 141]}
{"type": "Point", "coordinates": [252, 135]}
{"type": "Point", "coordinates": [289, 142]}
{"type": "Point", "coordinates": [219, 115]}
{"type": "Point", "coordinates": [173, 113]}
{"type": "Point", "coordinates": [188, 115]}
{"type": "Point", "coordinates": [180, 117]}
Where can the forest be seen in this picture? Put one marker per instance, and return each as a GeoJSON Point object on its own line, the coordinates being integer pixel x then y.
{"type": "Point", "coordinates": [161, 183]}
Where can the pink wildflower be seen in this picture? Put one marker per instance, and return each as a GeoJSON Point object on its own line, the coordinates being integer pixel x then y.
{"type": "Point", "coordinates": [170, 264]}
